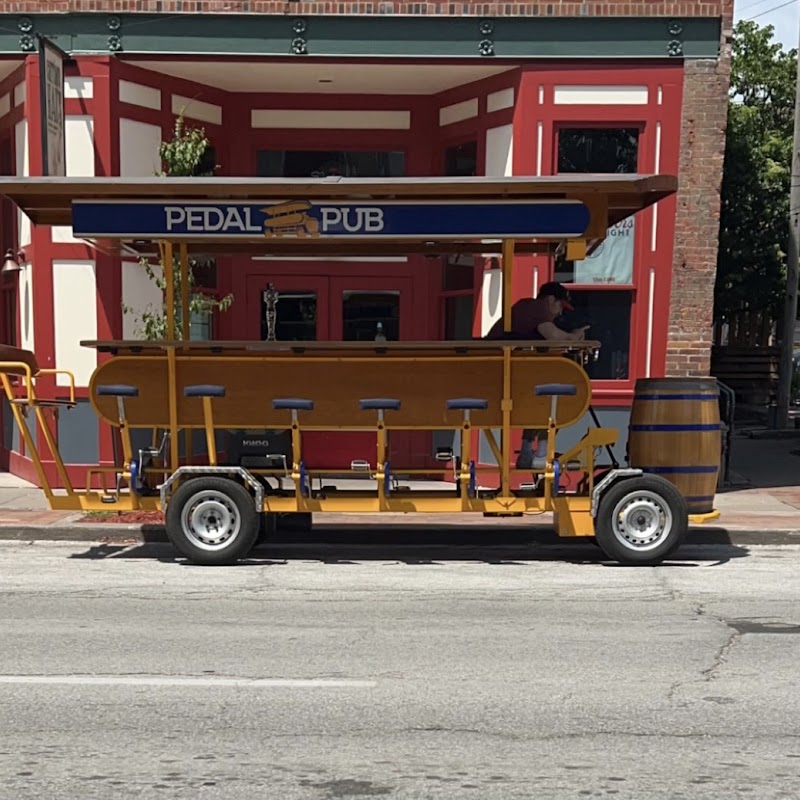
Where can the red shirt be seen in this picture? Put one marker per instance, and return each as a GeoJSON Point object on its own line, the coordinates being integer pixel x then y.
{"type": "Point", "coordinates": [526, 317]}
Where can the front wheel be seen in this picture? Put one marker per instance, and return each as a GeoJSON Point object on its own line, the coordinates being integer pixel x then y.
{"type": "Point", "coordinates": [212, 521]}
{"type": "Point", "coordinates": [641, 521]}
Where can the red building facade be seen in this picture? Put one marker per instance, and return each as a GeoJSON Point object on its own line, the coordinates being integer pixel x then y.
{"type": "Point", "coordinates": [646, 94]}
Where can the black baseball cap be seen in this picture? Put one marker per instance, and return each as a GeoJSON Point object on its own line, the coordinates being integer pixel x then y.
{"type": "Point", "coordinates": [559, 292]}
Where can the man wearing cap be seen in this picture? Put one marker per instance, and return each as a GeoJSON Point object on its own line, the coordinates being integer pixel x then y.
{"type": "Point", "coordinates": [534, 318]}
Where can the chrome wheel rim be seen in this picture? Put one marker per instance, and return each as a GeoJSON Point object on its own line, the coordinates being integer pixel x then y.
{"type": "Point", "coordinates": [641, 521]}
{"type": "Point", "coordinates": [210, 520]}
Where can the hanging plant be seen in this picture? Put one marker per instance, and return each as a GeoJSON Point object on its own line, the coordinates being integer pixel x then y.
{"type": "Point", "coordinates": [189, 154]}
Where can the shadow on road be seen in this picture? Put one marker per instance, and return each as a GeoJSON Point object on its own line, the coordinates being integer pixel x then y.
{"type": "Point", "coordinates": [426, 545]}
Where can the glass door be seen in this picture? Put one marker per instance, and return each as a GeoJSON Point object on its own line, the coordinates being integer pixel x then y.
{"type": "Point", "coordinates": [363, 307]}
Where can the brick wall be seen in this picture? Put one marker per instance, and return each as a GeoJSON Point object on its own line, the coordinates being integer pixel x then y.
{"type": "Point", "coordinates": [704, 117]}
{"type": "Point", "coordinates": [554, 8]}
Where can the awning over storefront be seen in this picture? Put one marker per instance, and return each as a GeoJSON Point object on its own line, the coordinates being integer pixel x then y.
{"type": "Point", "coordinates": [336, 215]}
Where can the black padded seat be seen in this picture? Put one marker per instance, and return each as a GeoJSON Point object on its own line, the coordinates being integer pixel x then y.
{"type": "Point", "coordinates": [204, 390]}
{"type": "Point", "coordinates": [292, 404]}
{"type": "Point", "coordinates": [555, 390]}
{"type": "Point", "coordinates": [467, 404]}
{"type": "Point", "coordinates": [117, 390]}
{"type": "Point", "coordinates": [379, 404]}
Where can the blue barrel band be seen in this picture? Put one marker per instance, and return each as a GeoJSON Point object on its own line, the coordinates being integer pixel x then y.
{"type": "Point", "coordinates": [706, 397]}
{"type": "Point", "coordinates": [711, 426]}
{"type": "Point", "coordinates": [687, 470]}
{"type": "Point", "coordinates": [699, 498]}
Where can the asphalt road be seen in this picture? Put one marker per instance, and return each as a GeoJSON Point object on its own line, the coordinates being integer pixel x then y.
{"type": "Point", "coordinates": [399, 673]}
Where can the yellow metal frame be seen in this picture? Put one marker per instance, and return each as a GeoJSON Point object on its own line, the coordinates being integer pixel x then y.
{"type": "Point", "coordinates": [572, 510]}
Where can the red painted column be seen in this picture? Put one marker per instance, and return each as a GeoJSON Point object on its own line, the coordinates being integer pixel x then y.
{"type": "Point", "coordinates": [108, 270]}
{"type": "Point", "coordinates": [236, 159]}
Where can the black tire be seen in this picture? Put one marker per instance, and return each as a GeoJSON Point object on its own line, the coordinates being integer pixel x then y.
{"type": "Point", "coordinates": [641, 521]}
{"type": "Point", "coordinates": [228, 505]}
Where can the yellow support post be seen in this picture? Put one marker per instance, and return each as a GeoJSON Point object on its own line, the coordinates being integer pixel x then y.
{"type": "Point", "coordinates": [466, 456]}
{"type": "Point", "coordinates": [185, 291]}
{"type": "Point", "coordinates": [505, 466]}
{"type": "Point", "coordinates": [167, 264]}
{"type": "Point", "coordinates": [549, 475]}
{"type": "Point", "coordinates": [208, 422]}
{"type": "Point", "coordinates": [297, 455]}
{"type": "Point", "coordinates": [167, 261]}
{"type": "Point", "coordinates": [380, 466]}
{"type": "Point", "coordinates": [506, 405]}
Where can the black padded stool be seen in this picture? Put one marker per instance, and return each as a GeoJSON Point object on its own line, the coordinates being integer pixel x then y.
{"type": "Point", "coordinates": [554, 391]}
{"type": "Point", "coordinates": [383, 468]}
{"type": "Point", "coordinates": [466, 480]}
{"type": "Point", "coordinates": [206, 392]}
{"type": "Point", "coordinates": [121, 391]}
{"type": "Point", "coordinates": [296, 404]}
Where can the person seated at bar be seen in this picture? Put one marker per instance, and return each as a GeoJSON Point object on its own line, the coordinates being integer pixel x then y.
{"type": "Point", "coordinates": [533, 318]}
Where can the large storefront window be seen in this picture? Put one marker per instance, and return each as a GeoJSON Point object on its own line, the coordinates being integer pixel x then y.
{"type": "Point", "coordinates": [602, 150]}
{"type": "Point", "coordinates": [609, 316]}
{"type": "Point", "coordinates": [364, 312]}
{"type": "Point", "coordinates": [321, 163]}
{"type": "Point", "coordinates": [296, 316]}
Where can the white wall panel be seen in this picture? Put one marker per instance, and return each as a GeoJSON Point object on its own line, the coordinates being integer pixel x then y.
{"type": "Point", "coordinates": [491, 299]}
{"type": "Point", "coordinates": [138, 95]}
{"type": "Point", "coordinates": [458, 112]}
{"type": "Point", "coordinates": [196, 109]}
{"type": "Point", "coordinates": [25, 286]}
{"type": "Point", "coordinates": [23, 170]}
{"type": "Point", "coordinates": [328, 120]}
{"type": "Point", "coordinates": [500, 151]}
{"type": "Point", "coordinates": [600, 95]}
{"type": "Point", "coordinates": [74, 318]}
{"type": "Point", "coordinates": [78, 87]}
{"type": "Point", "coordinates": [497, 101]}
{"type": "Point", "coordinates": [138, 293]}
{"type": "Point", "coordinates": [79, 135]}
{"type": "Point", "coordinates": [139, 143]}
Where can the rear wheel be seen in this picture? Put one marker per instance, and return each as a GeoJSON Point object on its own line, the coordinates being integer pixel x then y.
{"type": "Point", "coordinates": [212, 521]}
{"type": "Point", "coordinates": [641, 521]}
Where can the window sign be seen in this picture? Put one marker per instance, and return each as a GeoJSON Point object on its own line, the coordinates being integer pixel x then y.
{"type": "Point", "coordinates": [612, 262]}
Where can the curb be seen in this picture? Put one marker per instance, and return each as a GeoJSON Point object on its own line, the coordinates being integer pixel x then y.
{"type": "Point", "coordinates": [336, 536]}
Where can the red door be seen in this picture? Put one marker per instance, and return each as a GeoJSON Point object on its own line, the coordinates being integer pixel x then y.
{"type": "Point", "coordinates": [359, 305]}
{"type": "Point", "coordinates": [321, 308]}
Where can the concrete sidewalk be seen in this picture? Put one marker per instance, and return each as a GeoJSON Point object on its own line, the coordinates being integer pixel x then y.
{"type": "Point", "coordinates": [764, 497]}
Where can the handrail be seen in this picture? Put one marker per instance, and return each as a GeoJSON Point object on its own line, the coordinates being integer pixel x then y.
{"type": "Point", "coordinates": [61, 372]}
{"type": "Point", "coordinates": [14, 367]}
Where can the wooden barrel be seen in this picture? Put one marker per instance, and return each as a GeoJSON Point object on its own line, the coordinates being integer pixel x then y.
{"type": "Point", "coordinates": [675, 432]}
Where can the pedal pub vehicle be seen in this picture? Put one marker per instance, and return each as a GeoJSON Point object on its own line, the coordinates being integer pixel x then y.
{"type": "Point", "coordinates": [215, 506]}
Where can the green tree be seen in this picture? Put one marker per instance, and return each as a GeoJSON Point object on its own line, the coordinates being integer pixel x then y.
{"type": "Point", "coordinates": [754, 213]}
{"type": "Point", "coordinates": [188, 154]}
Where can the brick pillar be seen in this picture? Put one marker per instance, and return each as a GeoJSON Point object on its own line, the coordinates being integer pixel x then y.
{"type": "Point", "coordinates": [704, 118]}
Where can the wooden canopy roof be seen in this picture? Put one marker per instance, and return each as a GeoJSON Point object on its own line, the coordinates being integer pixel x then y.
{"type": "Point", "coordinates": [48, 201]}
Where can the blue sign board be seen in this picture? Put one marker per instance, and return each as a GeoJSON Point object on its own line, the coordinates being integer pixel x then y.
{"type": "Point", "coordinates": [301, 219]}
